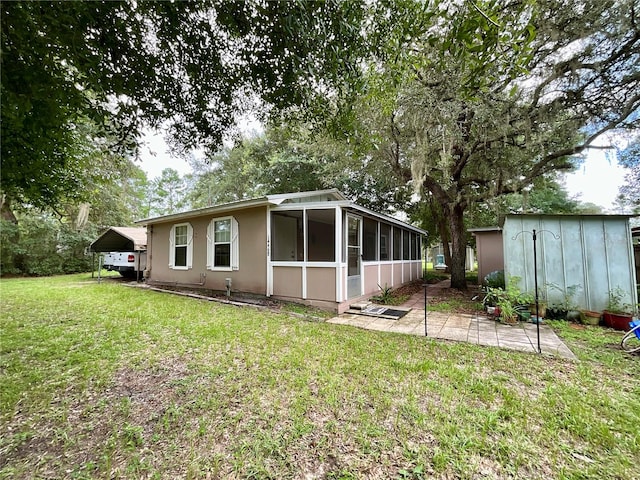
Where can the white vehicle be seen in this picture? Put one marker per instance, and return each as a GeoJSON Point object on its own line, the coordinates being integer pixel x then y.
{"type": "Point", "coordinates": [128, 264]}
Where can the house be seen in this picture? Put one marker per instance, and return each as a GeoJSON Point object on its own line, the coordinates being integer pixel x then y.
{"type": "Point", "coordinates": [317, 248]}
{"type": "Point", "coordinates": [589, 255]}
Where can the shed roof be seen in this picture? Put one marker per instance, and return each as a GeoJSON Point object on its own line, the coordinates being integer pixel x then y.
{"type": "Point", "coordinates": [121, 239]}
{"type": "Point", "coordinates": [484, 229]}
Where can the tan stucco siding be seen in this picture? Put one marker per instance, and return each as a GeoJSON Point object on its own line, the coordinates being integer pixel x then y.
{"type": "Point", "coordinates": [287, 282]}
{"type": "Point", "coordinates": [321, 283]}
{"type": "Point", "coordinates": [252, 273]}
{"type": "Point", "coordinates": [371, 279]}
{"type": "Point", "coordinates": [385, 275]}
{"type": "Point", "coordinates": [417, 270]}
{"type": "Point", "coordinates": [397, 274]}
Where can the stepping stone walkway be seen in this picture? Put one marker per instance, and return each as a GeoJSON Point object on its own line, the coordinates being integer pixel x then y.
{"type": "Point", "coordinates": [477, 329]}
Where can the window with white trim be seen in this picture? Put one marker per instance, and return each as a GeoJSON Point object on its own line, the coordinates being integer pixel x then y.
{"type": "Point", "coordinates": [181, 246]}
{"type": "Point", "coordinates": [222, 244]}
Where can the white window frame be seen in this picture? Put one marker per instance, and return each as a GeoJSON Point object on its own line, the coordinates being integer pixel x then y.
{"type": "Point", "coordinates": [172, 247]}
{"type": "Point", "coordinates": [234, 245]}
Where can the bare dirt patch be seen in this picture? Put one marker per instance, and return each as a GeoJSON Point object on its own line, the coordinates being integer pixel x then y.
{"type": "Point", "coordinates": [127, 414]}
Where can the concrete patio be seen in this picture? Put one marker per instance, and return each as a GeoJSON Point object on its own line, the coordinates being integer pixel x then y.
{"type": "Point", "coordinates": [476, 329]}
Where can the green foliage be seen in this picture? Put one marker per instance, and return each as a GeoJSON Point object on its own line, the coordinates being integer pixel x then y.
{"type": "Point", "coordinates": [494, 279]}
{"type": "Point", "coordinates": [166, 193]}
{"type": "Point", "coordinates": [42, 245]}
{"type": "Point", "coordinates": [616, 303]}
{"type": "Point", "coordinates": [386, 295]}
{"type": "Point", "coordinates": [120, 66]}
{"type": "Point", "coordinates": [566, 303]}
{"type": "Point", "coordinates": [629, 194]}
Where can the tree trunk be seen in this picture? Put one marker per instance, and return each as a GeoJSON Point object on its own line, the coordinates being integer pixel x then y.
{"type": "Point", "coordinates": [458, 248]}
{"type": "Point", "coordinates": [445, 238]}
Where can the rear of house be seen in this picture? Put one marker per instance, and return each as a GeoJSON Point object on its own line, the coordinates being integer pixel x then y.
{"type": "Point", "coordinates": [316, 247]}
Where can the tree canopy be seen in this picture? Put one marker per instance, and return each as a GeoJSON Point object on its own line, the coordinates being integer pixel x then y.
{"type": "Point", "coordinates": [468, 102]}
{"type": "Point", "coordinates": [189, 66]}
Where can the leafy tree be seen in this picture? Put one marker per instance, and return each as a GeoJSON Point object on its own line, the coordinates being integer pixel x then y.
{"type": "Point", "coordinates": [167, 193]}
{"type": "Point", "coordinates": [629, 194]}
{"type": "Point", "coordinates": [122, 65]}
{"type": "Point", "coordinates": [469, 102]}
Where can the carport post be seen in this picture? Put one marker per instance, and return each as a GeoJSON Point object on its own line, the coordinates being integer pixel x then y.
{"type": "Point", "coordinates": [99, 267]}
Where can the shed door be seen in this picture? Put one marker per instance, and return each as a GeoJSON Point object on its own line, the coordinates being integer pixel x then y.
{"type": "Point", "coordinates": [354, 256]}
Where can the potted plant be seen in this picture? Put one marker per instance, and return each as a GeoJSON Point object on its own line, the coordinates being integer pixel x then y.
{"type": "Point", "coordinates": [567, 308]}
{"type": "Point", "coordinates": [508, 312]}
{"type": "Point", "coordinates": [590, 317]}
{"type": "Point", "coordinates": [542, 303]}
{"type": "Point", "coordinates": [618, 314]}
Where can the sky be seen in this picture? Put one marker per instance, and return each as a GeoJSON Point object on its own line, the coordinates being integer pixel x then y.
{"type": "Point", "coordinates": [597, 181]}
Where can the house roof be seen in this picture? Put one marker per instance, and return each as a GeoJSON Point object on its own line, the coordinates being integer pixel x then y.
{"type": "Point", "coordinates": [317, 198]}
{"type": "Point", "coordinates": [121, 239]}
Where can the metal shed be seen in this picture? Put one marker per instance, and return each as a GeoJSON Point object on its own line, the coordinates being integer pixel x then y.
{"type": "Point", "coordinates": [593, 252]}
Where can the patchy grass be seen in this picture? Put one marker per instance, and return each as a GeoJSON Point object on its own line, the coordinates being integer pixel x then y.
{"type": "Point", "coordinates": [104, 381]}
{"type": "Point", "coordinates": [434, 276]}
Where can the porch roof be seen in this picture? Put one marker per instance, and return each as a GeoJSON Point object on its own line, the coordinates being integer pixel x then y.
{"type": "Point", "coordinates": [331, 197]}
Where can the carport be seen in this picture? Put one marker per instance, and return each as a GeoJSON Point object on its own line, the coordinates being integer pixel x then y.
{"type": "Point", "coordinates": [121, 239]}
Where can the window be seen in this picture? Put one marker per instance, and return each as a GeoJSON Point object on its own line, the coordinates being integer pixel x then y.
{"type": "Point", "coordinates": [321, 233]}
{"type": "Point", "coordinates": [417, 254]}
{"type": "Point", "coordinates": [406, 252]}
{"type": "Point", "coordinates": [385, 241]}
{"type": "Point", "coordinates": [370, 246]}
{"type": "Point", "coordinates": [222, 244]}
{"type": "Point", "coordinates": [181, 246]}
{"type": "Point", "coordinates": [287, 236]}
{"type": "Point", "coordinates": [397, 243]}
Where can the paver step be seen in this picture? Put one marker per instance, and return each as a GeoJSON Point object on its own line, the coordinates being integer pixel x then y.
{"type": "Point", "coordinates": [359, 306]}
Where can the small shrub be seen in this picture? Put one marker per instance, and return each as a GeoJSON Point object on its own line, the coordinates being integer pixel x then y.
{"type": "Point", "coordinates": [495, 279]}
{"type": "Point", "coordinates": [385, 297]}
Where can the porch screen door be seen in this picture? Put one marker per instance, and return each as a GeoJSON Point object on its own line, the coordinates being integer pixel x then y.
{"type": "Point", "coordinates": [354, 256]}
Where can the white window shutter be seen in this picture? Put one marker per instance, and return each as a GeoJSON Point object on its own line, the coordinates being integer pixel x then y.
{"type": "Point", "coordinates": [189, 246]}
{"type": "Point", "coordinates": [210, 233]}
{"type": "Point", "coordinates": [172, 249]}
{"type": "Point", "coordinates": [235, 245]}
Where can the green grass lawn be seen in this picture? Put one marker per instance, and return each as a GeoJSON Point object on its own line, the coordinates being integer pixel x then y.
{"type": "Point", "coordinates": [106, 381]}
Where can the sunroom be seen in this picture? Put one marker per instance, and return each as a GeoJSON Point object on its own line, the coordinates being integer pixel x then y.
{"type": "Point", "coordinates": [325, 248]}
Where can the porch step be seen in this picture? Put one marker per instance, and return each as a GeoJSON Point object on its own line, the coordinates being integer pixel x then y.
{"type": "Point", "coordinates": [359, 306]}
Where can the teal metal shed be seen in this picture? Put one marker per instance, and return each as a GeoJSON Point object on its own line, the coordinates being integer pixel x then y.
{"type": "Point", "coordinates": [589, 254]}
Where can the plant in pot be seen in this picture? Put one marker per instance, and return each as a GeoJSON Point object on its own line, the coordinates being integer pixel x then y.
{"type": "Point", "coordinates": [590, 317]}
{"type": "Point", "coordinates": [618, 314]}
{"type": "Point", "coordinates": [573, 311]}
{"type": "Point", "coordinates": [542, 302]}
{"type": "Point", "coordinates": [566, 309]}
{"type": "Point", "coordinates": [508, 312]}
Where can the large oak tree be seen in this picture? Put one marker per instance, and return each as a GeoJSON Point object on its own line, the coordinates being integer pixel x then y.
{"type": "Point", "coordinates": [469, 101]}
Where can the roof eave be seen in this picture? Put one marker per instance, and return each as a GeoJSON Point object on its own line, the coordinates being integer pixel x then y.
{"type": "Point", "coordinates": [214, 210]}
